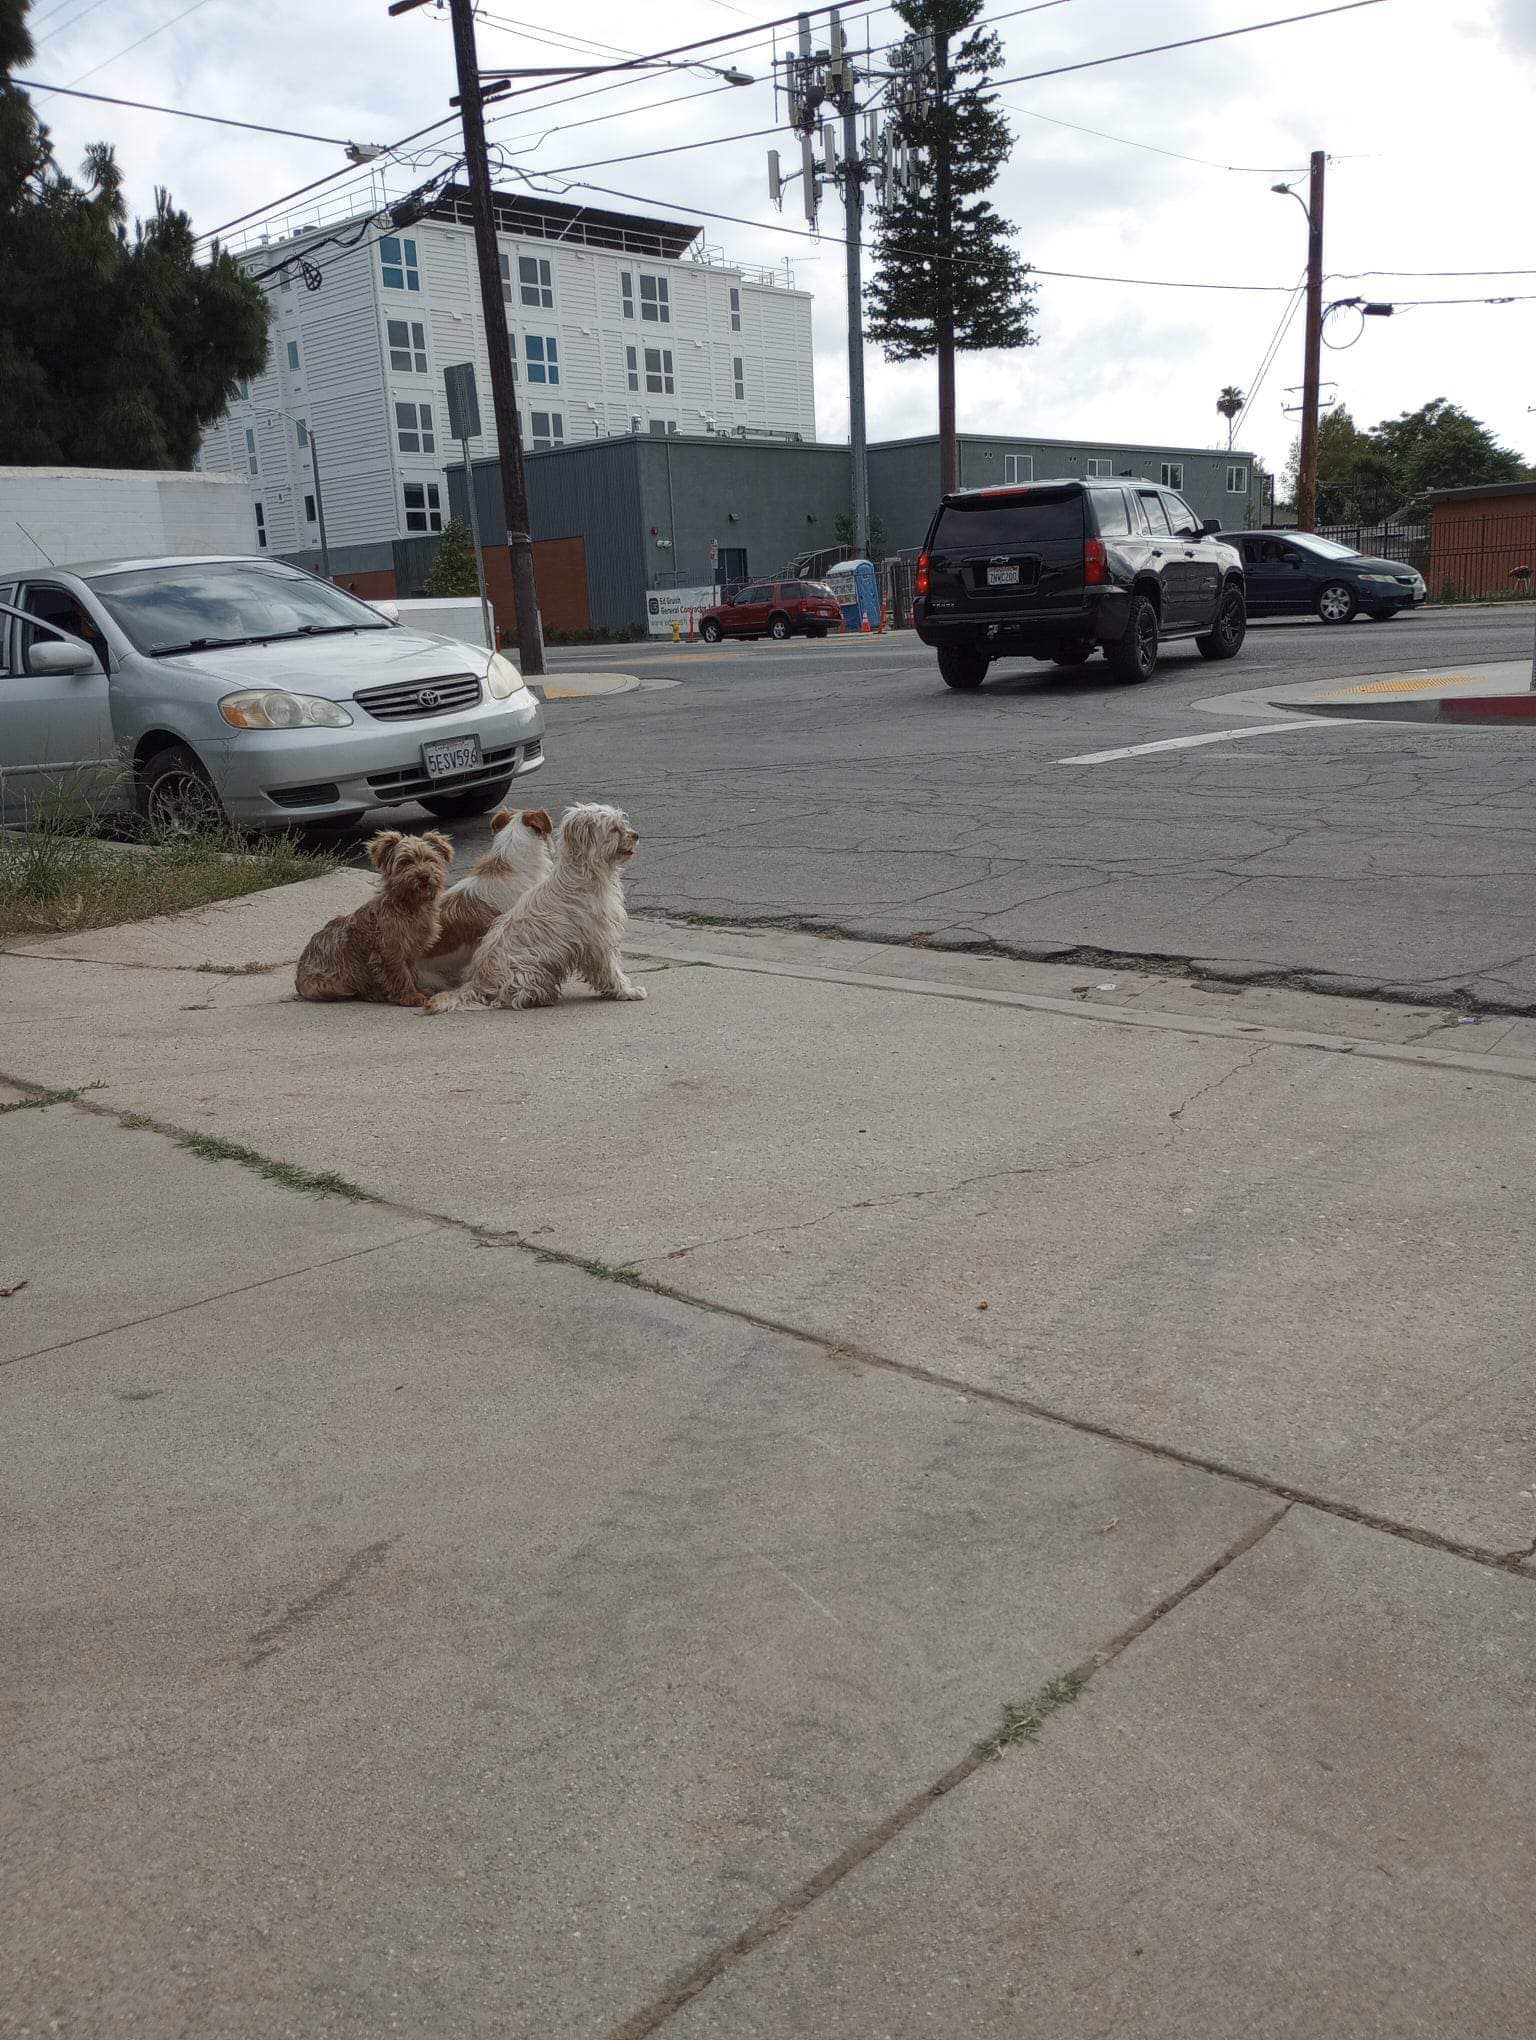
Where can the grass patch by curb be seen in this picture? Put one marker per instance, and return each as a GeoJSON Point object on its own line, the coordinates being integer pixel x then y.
{"type": "Point", "coordinates": [212, 1147]}
{"type": "Point", "coordinates": [52, 1098]}
{"type": "Point", "coordinates": [1023, 1719]}
{"type": "Point", "coordinates": [53, 883]}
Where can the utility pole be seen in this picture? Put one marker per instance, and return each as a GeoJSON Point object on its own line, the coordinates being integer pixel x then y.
{"type": "Point", "coordinates": [493, 310]}
{"type": "Point", "coordinates": [1306, 478]}
{"type": "Point", "coordinates": [943, 193]}
{"type": "Point", "coordinates": [314, 463]}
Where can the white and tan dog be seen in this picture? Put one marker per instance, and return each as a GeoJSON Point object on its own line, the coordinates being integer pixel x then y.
{"type": "Point", "coordinates": [571, 923]}
{"type": "Point", "coordinates": [517, 859]}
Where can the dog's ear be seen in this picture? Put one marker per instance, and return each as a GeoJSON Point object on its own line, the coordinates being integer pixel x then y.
{"type": "Point", "coordinates": [440, 845]}
{"type": "Point", "coordinates": [500, 819]}
{"type": "Point", "coordinates": [382, 847]}
{"type": "Point", "coordinates": [538, 820]}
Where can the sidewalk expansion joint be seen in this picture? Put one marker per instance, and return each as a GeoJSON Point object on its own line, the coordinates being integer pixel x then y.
{"type": "Point", "coordinates": [840, 1350]}
{"type": "Point", "coordinates": [1023, 1722]}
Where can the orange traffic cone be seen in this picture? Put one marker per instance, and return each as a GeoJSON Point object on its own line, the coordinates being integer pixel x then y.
{"type": "Point", "coordinates": [864, 621]}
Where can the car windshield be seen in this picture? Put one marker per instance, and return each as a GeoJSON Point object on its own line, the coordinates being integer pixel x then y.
{"type": "Point", "coordinates": [822, 590]}
{"type": "Point", "coordinates": [194, 605]}
{"type": "Point", "coordinates": [1325, 548]}
{"type": "Point", "coordinates": [997, 524]}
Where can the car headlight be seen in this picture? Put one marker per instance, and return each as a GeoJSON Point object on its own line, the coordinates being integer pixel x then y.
{"type": "Point", "coordinates": [502, 678]}
{"type": "Point", "coordinates": [1391, 579]}
{"type": "Point", "coordinates": [273, 708]}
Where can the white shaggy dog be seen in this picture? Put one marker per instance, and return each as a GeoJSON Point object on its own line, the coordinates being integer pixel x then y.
{"type": "Point", "coordinates": [517, 859]}
{"type": "Point", "coordinates": [571, 923]}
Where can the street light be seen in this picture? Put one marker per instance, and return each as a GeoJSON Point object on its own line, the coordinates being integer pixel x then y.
{"type": "Point", "coordinates": [1306, 475]}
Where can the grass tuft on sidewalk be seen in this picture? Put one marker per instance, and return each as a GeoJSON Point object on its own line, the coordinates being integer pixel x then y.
{"type": "Point", "coordinates": [53, 883]}
{"type": "Point", "coordinates": [213, 1147]}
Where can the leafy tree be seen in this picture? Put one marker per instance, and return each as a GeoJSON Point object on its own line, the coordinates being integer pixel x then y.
{"type": "Point", "coordinates": [842, 531]}
{"type": "Point", "coordinates": [947, 279]}
{"type": "Point", "coordinates": [116, 350]}
{"type": "Point", "coordinates": [1230, 404]}
{"type": "Point", "coordinates": [1366, 477]}
{"type": "Point", "coordinates": [453, 565]}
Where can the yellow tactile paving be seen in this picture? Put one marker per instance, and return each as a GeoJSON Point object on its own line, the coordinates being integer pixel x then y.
{"type": "Point", "coordinates": [1408, 686]}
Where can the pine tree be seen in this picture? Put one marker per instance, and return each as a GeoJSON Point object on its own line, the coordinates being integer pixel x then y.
{"type": "Point", "coordinates": [453, 565]}
{"type": "Point", "coordinates": [947, 279]}
{"type": "Point", "coordinates": [116, 350]}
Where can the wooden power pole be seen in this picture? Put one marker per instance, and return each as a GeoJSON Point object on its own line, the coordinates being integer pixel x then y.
{"type": "Point", "coordinates": [493, 310]}
{"type": "Point", "coordinates": [1306, 478]}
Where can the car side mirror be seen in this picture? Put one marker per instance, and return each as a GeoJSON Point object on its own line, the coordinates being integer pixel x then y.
{"type": "Point", "coordinates": [387, 610]}
{"type": "Point", "coordinates": [61, 658]}
{"type": "Point", "coordinates": [1211, 524]}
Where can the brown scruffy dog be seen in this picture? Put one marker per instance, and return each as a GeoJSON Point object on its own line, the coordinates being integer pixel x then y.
{"type": "Point", "coordinates": [372, 954]}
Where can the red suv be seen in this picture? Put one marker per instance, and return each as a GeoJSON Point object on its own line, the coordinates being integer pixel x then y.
{"type": "Point", "coordinates": [776, 609]}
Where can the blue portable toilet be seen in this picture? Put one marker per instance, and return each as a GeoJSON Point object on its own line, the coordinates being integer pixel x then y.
{"type": "Point", "coordinates": [857, 588]}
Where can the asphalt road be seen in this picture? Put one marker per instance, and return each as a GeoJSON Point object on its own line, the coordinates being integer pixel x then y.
{"type": "Point", "coordinates": [840, 785]}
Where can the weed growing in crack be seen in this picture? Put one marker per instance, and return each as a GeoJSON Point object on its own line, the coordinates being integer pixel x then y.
{"type": "Point", "coordinates": [212, 1147]}
{"type": "Point", "coordinates": [134, 1122]}
{"type": "Point", "coordinates": [1024, 1719]}
{"type": "Point", "coordinates": [44, 1098]}
{"type": "Point", "coordinates": [235, 969]}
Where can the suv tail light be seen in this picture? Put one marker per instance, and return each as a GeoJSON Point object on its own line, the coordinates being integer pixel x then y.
{"type": "Point", "coordinates": [1095, 563]}
{"type": "Point", "coordinates": [922, 574]}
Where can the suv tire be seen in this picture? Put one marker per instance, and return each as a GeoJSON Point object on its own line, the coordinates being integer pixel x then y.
{"type": "Point", "coordinates": [1072, 655]}
{"type": "Point", "coordinates": [710, 631]}
{"type": "Point", "coordinates": [1133, 655]}
{"type": "Point", "coordinates": [1224, 640]}
{"type": "Point", "coordinates": [962, 666]}
{"type": "Point", "coordinates": [1337, 602]}
{"type": "Point", "coordinates": [779, 627]}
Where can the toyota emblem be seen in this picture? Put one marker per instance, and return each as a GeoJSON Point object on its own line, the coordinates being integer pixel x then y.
{"type": "Point", "coordinates": [429, 697]}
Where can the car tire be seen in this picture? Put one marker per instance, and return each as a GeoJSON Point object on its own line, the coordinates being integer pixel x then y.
{"type": "Point", "coordinates": [176, 796]}
{"type": "Point", "coordinates": [462, 807]}
{"type": "Point", "coordinates": [1225, 639]}
{"type": "Point", "coordinates": [1337, 602]}
{"type": "Point", "coordinates": [779, 628]}
{"type": "Point", "coordinates": [963, 666]}
{"type": "Point", "coordinates": [1382, 615]}
{"type": "Point", "coordinates": [817, 630]}
{"type": "Point", "coordinates": [710, 631]}
{"type": "Point", "coordinates": [1073, 655]}
{"type": "Point", "coordinates": [1133, 656]}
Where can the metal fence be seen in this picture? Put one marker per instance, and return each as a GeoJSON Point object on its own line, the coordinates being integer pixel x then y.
{"type": "Point", "coordinates": [1406, 542]}
{"type": "Point", "coordinates": [1482, 555]}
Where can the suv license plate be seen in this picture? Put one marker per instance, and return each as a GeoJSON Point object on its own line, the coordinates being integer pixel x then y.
{"type": "Point", "coordinates": [1002, 577]}
{"type": "Point", "coordinates": [452, 755]}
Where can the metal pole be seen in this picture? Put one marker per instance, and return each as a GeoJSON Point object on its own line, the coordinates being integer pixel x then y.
{"type": "Point", "coordinates": [853, 207]}
{"type": "Point", "coordinates": [943, 189]}
{"type": "Point", "coordinates": [1306, 477]}
{"type": "Point", "coordinates": [314, 463]}
{"type": "Point", "coordinates": [474, 533]}
{"type": "Point", "coordinates": [514, 482]}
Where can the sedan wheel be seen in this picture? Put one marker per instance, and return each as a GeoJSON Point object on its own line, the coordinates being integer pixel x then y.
{"type": "Point", "coordinates": [177, 797]}
{"type": "Point", "coordinates": [1337, 603]}
{"type": "Point", "coordinates": [710, 631]}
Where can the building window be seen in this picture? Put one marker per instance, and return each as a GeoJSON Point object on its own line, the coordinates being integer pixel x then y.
{"type": "Point", "coordinates": [1237, 480]}
{"type": "Point", "coordinates": [548, 430]}
{"type": "Point", "coordinates": [1173, 474]}
{"type": "Point", "coordinates": [543, 358]}
{"type": "Point", "coordinates": [293, 355]}
{"type": "Point", "coordinates": [1101, 468]}
{"type": "Point", "coordinates": [413, 428]}
{"type": "Point", "coordinates": [658, 371]}
{"type": "Point", "coordinates": [535, 282]}
{"type": "Point", "coordinates": [739, 374]}
{"type": "Point", "coordinates": [661, 427]}
{"type": "Point", "coordinates": [634, 425]}
{"type": "Point", "coordinates": [261, 527]}
{"type": "Point", "coordinates": [301, 428]}
{"type": "Point", "coordinates": [626, 294]}
{"type": "Point", "coordinates": [397, 260]}
{"type": "Point", "coordinates": [656, 300]}
{"type": "Point", "coordinates": [423, 507]}
{"type": "Point", "coordinates": [309, 509]}
{"type": "Point", "coordinates": [407, 346]}
{"type": "Point", "coordinates": [250, 450]}
{"type": "Point", "coordinates": [735, 309]}
{"type": "Point", "coordinates": [1018, 467]}
{"type": "Point", "coordinates": [285, 281]}
{"type": "Point", "coordinates": [506, 277]}
{"type": "Point", "coordinates": [632, 366]}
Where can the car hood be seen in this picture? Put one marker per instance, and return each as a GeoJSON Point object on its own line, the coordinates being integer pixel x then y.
{"type": "Point", "coordinates": [335, 667]}
{"type": "Point", "coordinates": [1365, 564]}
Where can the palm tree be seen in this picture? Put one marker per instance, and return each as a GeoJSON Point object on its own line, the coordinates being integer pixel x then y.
{"type": "Point", "coordinates": [1230, 404]}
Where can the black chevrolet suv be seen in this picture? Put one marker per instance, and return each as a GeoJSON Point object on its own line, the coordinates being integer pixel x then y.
{"type": "Point", "coordinates": [1057, 570]}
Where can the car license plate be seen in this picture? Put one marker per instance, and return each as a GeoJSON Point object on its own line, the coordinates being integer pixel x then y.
{"type": "Point", "coordinates": [1002, 577]}
{"type": "Point", "coordinates": [450, 755]}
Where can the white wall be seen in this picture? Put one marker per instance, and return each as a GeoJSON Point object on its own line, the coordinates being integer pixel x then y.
{"type": "Point", "coordinates": [61, 516]}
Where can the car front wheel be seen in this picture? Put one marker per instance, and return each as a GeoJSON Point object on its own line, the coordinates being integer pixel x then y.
{"type": "Point", "coordinates": [710, 631]}
{"type": "Point", "coordinates": [963, 666]}
{"type": "Point", "coordinates": [1133, 655]}
{"type": "Point", "coordinates": [1337, 603]}
{"type": "Point", "coordinates": [460, 807]}
{"type": "Point", "coordinates": [778, 628]}
{"type": "Point", "coordinates": [1225, 638]}
{"type": "Point", "coordinates": [176, 796]}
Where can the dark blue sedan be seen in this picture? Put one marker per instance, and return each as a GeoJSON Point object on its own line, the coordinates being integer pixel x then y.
{"type": "Point", "coordinates": [1296, 573]}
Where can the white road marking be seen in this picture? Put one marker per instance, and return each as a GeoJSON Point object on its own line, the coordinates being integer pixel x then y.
{"type": "Point", "coordinates": [1295, 722]}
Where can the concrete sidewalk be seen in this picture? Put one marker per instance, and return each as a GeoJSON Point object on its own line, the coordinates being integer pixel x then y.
{"type": "Point", "coordinates": [880, 1493]}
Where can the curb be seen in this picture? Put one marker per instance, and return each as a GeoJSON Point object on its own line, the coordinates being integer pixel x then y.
{"type": "Point", "coordinates": [1465, 708]}
{"type": "Point", "coordinates": [575, 686]}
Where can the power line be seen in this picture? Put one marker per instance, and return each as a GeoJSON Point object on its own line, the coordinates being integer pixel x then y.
{"type": "Point", "coordinates": [180, 112]}
{"type": "Point", "coordinates": [1206, 162]}
{"type": "Point", "coordinates": [131, 47]}
{"type": "Point", "coordinates": [1354, 275]}
{"type": "Point", "coordinates": [1187, 42]}
{"type": "Point", "coordinates": [1267, 362]}
{"type": "Point", "coordinates": [63, 28]}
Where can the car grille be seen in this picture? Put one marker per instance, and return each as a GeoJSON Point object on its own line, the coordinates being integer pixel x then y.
{"type": "Point", "coordinates": [319, 795]}
{"type": "Point", "coordinates": [413, 699]}
{"type": "Point", "coordinates": [413, 782]}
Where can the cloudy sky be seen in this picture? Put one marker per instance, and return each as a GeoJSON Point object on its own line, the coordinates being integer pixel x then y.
{"type": "Point", "coordinates": [1423, 105]}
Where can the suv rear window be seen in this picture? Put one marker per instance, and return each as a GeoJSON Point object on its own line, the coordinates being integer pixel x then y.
{"type": "Point", "coordinates": [996, 524]}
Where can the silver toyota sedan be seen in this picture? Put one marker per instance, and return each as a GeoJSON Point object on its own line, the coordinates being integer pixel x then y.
{"type": "Point", "coordinates": [204, 691]}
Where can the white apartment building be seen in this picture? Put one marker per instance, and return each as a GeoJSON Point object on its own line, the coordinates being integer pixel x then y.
{"type": "Point", "coordinates": [620, 323]}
